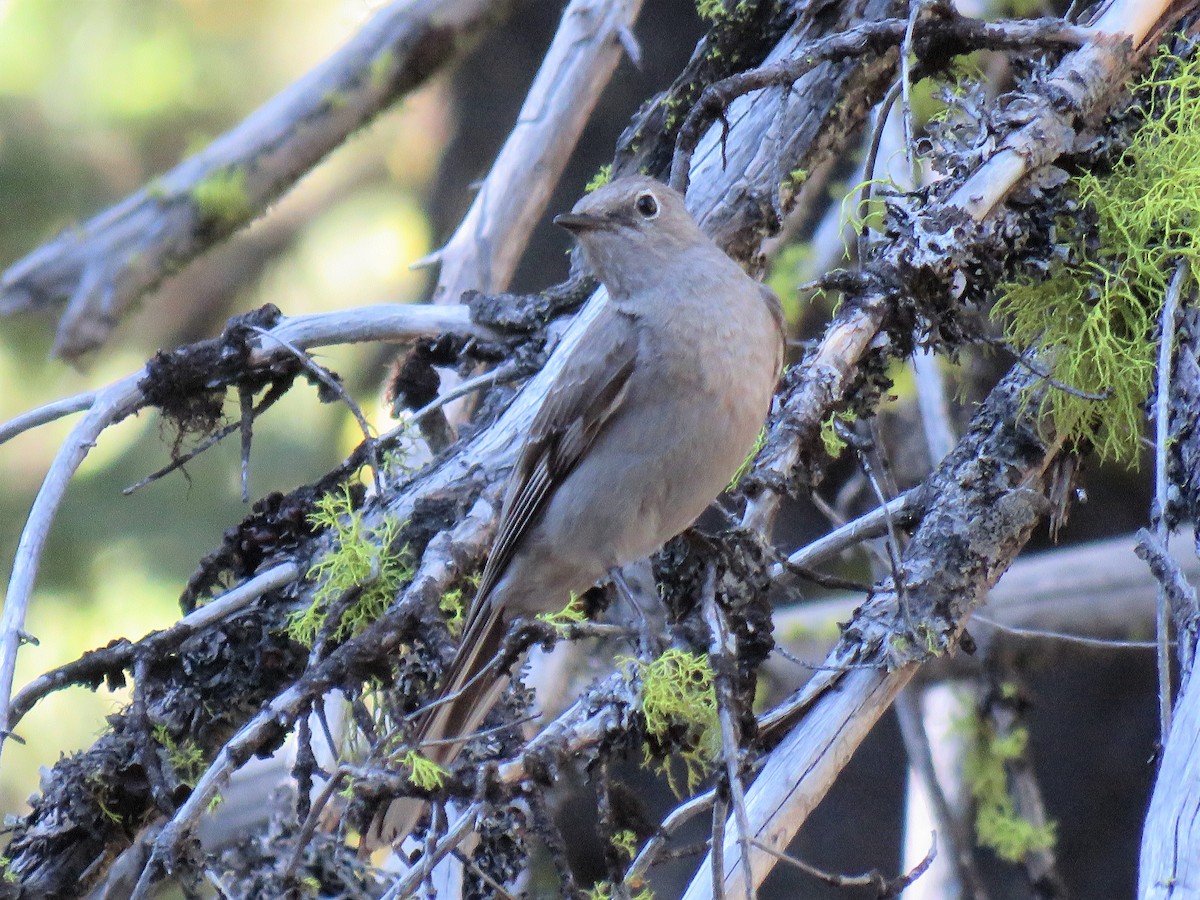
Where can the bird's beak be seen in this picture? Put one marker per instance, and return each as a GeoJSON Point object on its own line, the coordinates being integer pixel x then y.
{"type": "Point", "coordinates": [577, 222]}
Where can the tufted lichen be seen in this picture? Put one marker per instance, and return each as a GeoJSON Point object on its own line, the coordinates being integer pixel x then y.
{"type": "Point", "coordinates": [1093, 318]}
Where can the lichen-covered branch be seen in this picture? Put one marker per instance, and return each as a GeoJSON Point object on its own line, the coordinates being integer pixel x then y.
{"type": "Point", "coordinates": [987, 502]}
{"type": "Point", "coordinates": [105, 264]}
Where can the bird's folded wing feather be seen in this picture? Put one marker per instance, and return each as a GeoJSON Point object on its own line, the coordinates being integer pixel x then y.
{"type": "Point", "coordinates": [588, 391]}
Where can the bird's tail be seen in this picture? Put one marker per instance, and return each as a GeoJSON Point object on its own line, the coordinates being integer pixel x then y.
{"type": "Point", "coordinates": [463, 702]}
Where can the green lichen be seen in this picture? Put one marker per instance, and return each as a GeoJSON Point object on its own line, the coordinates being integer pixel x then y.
{"type": "Point", "coordinates": [423, 773]}
{"type": "Point", "coordinates": [997, 824]}
{"type": "Point", "coordinates": [625, 841]}
{"type": "Point", "coordinates": [1093, 320]}
{"type": "Point", "coordinates": [602, 177]}
{"type": "Point", "coordinates": [831, 440]}
{"type": "Point", "coordinates": [571, 614]}
{"type": "Point", "coordinates": [718, 11]}
{"type": "Point", "coordinates": [455, 608]}
{"type": "Point", "coordinates": [6, 873]}
{"type": "Point", "coordinates": [186, 758]}
{"type": "Point", "coordinates": [759, 443]}
{"type": "Point", "coordinates": [603, 890]}
{"type": "Point", "coordinates": [222, 198]}
{"type": "Point", "coordinates": [380, 69]}
{"type": "Point", "coordinates": [362, 557]}
{"type": "Point", "coordinates": [678, 692]}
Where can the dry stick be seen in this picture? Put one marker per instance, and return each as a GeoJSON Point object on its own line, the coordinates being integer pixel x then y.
{"type": "Point", "coordinates": [870, 879]}
{"type": "Point", "coordinates": [121, 656]}
{"type": "Point", "coordinates": [388, 322]}
{"type": "Point", "coordinates": [677, 818]}
{"type": "Point", "coordinates": [858, 41]}
{"type": "Point", "coordinates": [484, 250]}
{"type": "Point", "coordinates": [125, 397]}
{"type": "Point", "coordinates": [273, 395]}
{"type": "Point", "coordinates": [118, 255]}
{"type": "Point", "coordinates": [112, 405]}
{"type": "Point", "coordinates": [407, 886]}
{"type": "Point", "coordinates": [910, 144]}
{"type": "Point", "coordinates": [1045, 634]}
{"type": "Point", "coordinates": [1162, 434]}
{"type": "Point", "coordinates": [723, 649]}
{"type": "Point", "coordinates": [882, 113]}
{"type": "Point", "coordinates": [1180, 596]}
{"type": "Point", "coordinates": [716, 854]}
{"type": "Point", "coordinates": [326, 378]}
{"type": "Point", "coordinates": [901, 509]}
{"type": "Point", "coordinates": [44, 414]}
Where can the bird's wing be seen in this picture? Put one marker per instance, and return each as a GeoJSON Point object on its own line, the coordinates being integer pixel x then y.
{"type": "Point", "coordinates": [589, 389]}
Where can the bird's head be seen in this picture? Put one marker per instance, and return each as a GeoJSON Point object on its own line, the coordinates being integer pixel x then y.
{"type": "Point", "coordinates": [632, 223]}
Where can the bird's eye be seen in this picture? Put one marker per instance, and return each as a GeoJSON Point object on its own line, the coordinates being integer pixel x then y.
{"type": "Point", "coordinates": [646, 205]}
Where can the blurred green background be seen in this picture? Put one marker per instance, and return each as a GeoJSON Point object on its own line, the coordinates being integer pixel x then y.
{"type": "Point", "coordinates": [96, 98]}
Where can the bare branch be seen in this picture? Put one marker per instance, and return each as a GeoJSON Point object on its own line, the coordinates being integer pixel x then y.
{"type": "Point", "coordinates": [125, 397]}
{"type": "Point", "coordinates": [108, 262]}
{"type": "Point", "coordinates": [51, 412]}
{"type": "Point", "coordinates": [484, 251]}
{"type": "Point", "coordinates": [991, 516]}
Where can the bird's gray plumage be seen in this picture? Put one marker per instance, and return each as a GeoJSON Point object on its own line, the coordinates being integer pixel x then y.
{"type": "Point", "coordinates": [656, 407]}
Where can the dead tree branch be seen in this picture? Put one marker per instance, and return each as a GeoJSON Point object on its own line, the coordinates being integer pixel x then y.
{"type": "Point", "coordinates": [101, 267]}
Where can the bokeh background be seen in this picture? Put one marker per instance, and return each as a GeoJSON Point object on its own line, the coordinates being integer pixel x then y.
{"type": "Point", "coordinates": [99, 96]}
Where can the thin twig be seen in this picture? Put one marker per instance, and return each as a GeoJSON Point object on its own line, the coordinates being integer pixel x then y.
{"type": "Point", "coordinates": [44, 414]}
{"type": "Point", "coordinates": [868, 879]}
{"type": "Point", "coordinates": [1158, 514]}
{"type": "Point", "coordinates": [717, 842]}
{"type": "Point", "coordinates": [334, 384]}
{"type": "Point", "coordinates": [309, 828]}
{"type": "Point", "coordinates": [678, 817]}
{"type": "Point", "coordinates": [1081, 640]}
{"type": "Point", "coordinates": [882, 111]}
{"type": "Point", "coordinates": [405, 886]}
{"type": "Point", "coordinates": [723, 651]}
{"type": "Point", "coordinates": [906, 53]}
{"type": "Point", "coordinates": [122, 655]}
{"type": "Point", "coordinates": [1175, 593]}
{"type": "Point", "coordinates": [112, 404]}
{"type": "Point", "coordinates": [901, 509]}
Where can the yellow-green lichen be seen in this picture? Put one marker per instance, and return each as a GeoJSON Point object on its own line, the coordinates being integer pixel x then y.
{"type": "Point", "coordinates": [380, 69]}
{"type": "Point", "coordinates": [221, 197]}
{"type": "Point", "coordinates": [186, 758]}
{"type": "Point", "coordinates": [602, 177]}
{"type": "Point", "coordinates": [831, 440]}
{"type": "Point", "coordinates": [1093, 321]}
{"type": "Point", "coordinates": [603, 890]}
{"type": "Point", "coordinates": [362, 558]}
{"type": "Point", "coordinates": [759, 443]}
{"type": "Point", "coordinates": [571, 614]}
{"type": "Point", "coordinates": [678, 693]}
{"type": "Point", "coordinates": [423, 773]}
{"type": "Point", "coordinates": [455, 608]}
{"type": "Point", "coordinates": [997, 823]}
{"type": "Point", "coordinates": [625, 842]}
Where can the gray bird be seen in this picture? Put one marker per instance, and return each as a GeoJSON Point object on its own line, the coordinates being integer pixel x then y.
{"type": "Point", "coordinates": [651, 415]}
